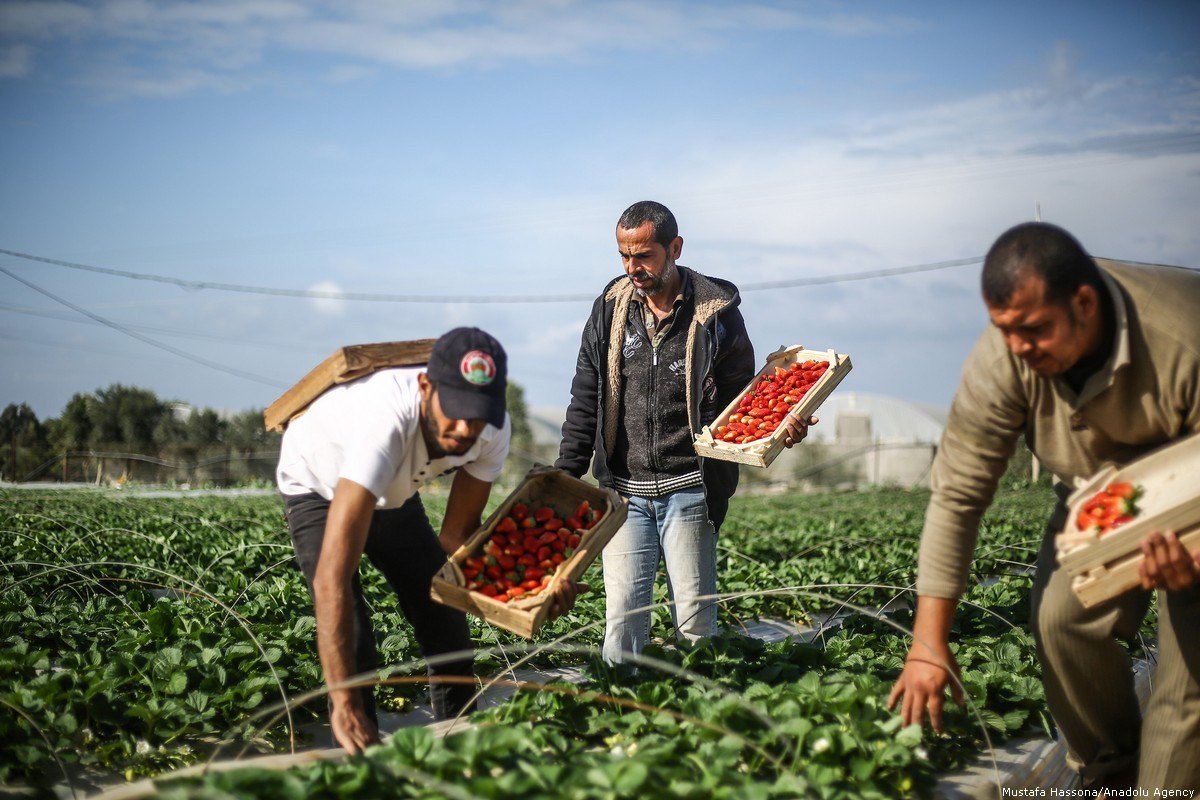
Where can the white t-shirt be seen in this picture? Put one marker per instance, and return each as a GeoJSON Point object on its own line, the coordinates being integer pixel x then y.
{"type": "Point", "coordinates": [369, 431]}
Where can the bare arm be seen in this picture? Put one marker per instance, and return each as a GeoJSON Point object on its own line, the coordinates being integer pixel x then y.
{"type": "Point", "coordinates": [464, 510]}
{"type": "Point", "coordinates": [930, 664]}
{"type": "Point", "coordinates": [345, 537]}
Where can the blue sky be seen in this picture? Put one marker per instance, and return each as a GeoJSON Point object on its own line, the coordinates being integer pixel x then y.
{"type": "Point", "coordinates": [448, 147]}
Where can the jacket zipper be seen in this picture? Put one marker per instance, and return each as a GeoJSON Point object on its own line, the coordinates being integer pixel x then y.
{"type": "Point", "coordinates": [654, 463]}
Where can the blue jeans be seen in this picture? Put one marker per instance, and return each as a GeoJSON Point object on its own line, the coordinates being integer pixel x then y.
{"type": "Point", "coordinates": [677, 526]}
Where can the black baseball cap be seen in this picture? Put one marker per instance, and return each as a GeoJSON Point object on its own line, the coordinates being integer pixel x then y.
{"type": "Point", "coordinates": [470, 370]}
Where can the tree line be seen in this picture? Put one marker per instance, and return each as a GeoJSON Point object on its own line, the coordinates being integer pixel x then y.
{"type": "Point", "coordinates": [128, 420]}
{"type": "Point", "coordinates": [97, 433]}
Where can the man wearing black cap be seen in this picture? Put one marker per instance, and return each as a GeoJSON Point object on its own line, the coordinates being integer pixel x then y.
{"type": "Point", "coordinates": [350, 468]}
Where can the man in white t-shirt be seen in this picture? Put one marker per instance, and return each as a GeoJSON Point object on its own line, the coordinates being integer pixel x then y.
{"type": "Point", "coordinates": [350, 468]}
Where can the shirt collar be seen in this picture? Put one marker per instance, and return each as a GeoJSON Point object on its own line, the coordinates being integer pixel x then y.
{"type": "Point", "coordinates": [684, 294]}
{"type": "Point", "coordinates": [1104, 377]}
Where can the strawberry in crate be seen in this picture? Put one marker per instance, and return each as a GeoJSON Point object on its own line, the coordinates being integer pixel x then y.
{"type": "Point", "coordinates": [1110, 508]}
{"type": "Point", "coordinates": [525, 550]}
{"type": "Point", "coordinates": [762, 409]}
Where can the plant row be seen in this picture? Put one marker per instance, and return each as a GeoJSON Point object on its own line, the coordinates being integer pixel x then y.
{"type": "Point", "coordinates": [139, 635]}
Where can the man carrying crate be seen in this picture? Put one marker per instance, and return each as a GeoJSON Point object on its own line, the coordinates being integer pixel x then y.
{"type": "Point", "coordinates": [664, 351]}
{"type": "Point", "coordinates": [1092, 365]}
{"type": "Point", "coordinates": [350, 469]}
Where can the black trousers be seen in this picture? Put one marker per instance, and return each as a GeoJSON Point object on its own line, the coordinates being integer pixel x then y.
{"type": "Point", "coordinates": [402, 545]}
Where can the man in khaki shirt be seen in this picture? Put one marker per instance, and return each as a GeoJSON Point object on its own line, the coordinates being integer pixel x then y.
{"type": "Point", "coordinates": [1094, 362]}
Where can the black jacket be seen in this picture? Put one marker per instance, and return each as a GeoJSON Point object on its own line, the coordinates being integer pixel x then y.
{"type": "Point", "coordinates": [720, 362]}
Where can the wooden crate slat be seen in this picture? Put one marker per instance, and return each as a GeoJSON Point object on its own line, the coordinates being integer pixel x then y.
{"type": "Point", "coordinates": [1107, 581]}
{"type": "Point", "coordinates": [764, 451]}
{"type": "Point", "coordinates": [346, 364]}
{"type": "Point", "coordinates": [364, 358]}
{"type": "Point", "coordinates": [1129, 537]}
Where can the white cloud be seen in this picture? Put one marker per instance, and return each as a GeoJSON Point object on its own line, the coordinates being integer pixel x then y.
{"type": "Point", "coordinates": [16, 61]}
{"type": "Point", "coordinates": [1063, 61]}
{"type": "Point", "coordinates": [167, 83]}
{"type": "Point", "coordinates": [220, 37]}
{"type": "Point", "coordinates": [235, 12]}
{"type": "Point", "coordinates": [44, 20]}
{"type": "Point", "coordinates": [849, 25]}
{"type": "Point", "coordinates": [348, 73]}
{"type": "Point", "coordinates": [331, 306]}
{"type": "Point", "coordinates": [507, 32]}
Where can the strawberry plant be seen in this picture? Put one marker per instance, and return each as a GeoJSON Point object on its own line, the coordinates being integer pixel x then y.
{"type": "Point", "coordinates": [135, 634]}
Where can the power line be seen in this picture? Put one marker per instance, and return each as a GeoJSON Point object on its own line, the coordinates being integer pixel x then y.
{"type": "Point", "coordinates": [481, 299]}
{"type": "Point", "coordinates": [250, 376]}
{"type": "Point", "coordinates": [212, 337]}
{"type": "Point", "coordinates": [306, 293]}
{"type": "Point", "coordinates": [859, 276]}
{"type": "Point", "coordinates": [758, 286]}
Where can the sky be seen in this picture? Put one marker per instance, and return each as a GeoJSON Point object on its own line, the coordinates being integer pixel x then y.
{"type": "Point", "coordinates": [454, 150]}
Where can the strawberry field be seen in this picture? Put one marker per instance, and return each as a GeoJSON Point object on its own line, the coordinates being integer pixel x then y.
{"type": "Point", "coordinates": [140, 635]}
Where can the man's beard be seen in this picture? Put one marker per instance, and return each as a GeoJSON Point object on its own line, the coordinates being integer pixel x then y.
{"type": "Point", "coordinates": [658, 283]}
{"type": "Point", "coordinates": [429, 433]}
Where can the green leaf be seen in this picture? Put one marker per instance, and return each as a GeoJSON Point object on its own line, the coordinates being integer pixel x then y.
{"type": "Point", "coordinates": [909, 736]}
{"type": "Point", "coordinates": [797, 727]}
{"type": "Point", "coordinates": [992, 719]}
{"type": "Point", "coordinates": [1014, 720]}
{"type": "Point", "coordinates": [862, 768]}
{"type": "Point", "coordinates": [176, 684]}
{"type": "Point", "coordinates": [171, 655]}
{"type": "Point", "coordinates": [197, 700]}
{"type": "Point", "coordinates": [629, 776]}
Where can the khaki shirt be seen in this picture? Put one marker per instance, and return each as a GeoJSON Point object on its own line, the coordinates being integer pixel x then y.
{"type": "Point", "coordinates": [1146, 394]}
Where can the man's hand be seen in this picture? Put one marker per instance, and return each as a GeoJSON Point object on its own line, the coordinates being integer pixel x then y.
{"type": "Point", "coordinates": [562, 599]}
{"type": "Point", "coordinates": [1166, 564]}
{"type": "Point", "coordinates": [930, 665]}
{"type": "Point", "coordinates": [796, 429]}
{"type": "Point", "coordinates": [922, 684]}
{"type": "Point", "coordinates": [352, 728]}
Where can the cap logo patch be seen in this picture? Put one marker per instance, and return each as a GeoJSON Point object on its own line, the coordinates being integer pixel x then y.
{"type": "Point", "coordinates": [478, 368]}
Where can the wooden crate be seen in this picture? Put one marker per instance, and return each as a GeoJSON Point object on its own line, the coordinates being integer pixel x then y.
{"type": "Point", "coordinates": [762, 452]}
{"type": "Point", "coordinates": [346, 364]}
{"type": "Point", "coordinates": [1106, 566]}
{"type": "Point", "coordinates": [543, 486]}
